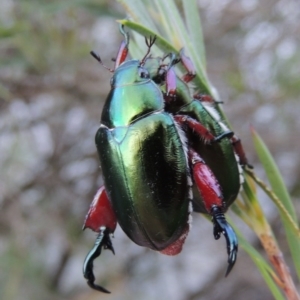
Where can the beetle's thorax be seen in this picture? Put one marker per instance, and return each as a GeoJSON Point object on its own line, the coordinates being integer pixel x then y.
{"type": "Point", "coordinates": [131, 97]}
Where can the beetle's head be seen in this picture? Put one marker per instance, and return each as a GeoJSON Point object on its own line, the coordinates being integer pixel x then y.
{"type": "Point", "coordinates": [129, 73]}
{"type": "Point", "coordinates": [133, 71]}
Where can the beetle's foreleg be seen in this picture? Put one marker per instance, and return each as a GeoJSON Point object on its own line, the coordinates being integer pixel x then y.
{"type": "Point", "coordinates": [103, 240]}
{"type": "Point", "coordinates": [123, 50]}
{"type": "Point", "coordinates": [100, 218]}
{"type": "Point", "coordinates": [210, 191]}
{"type": "Point", "coordinates": [200, 129]}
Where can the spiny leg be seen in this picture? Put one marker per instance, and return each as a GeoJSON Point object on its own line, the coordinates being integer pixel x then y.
{"type": "Point", "coordinates": [200, 129]}
{"type": "Point", "coordinates": [100, 218]}
{"type": "Point", "coordinates": [235, 141]}
{"type": "Point", "coordinates": [207, 99]}
{"type": "Point", "coordinates": [240, 152]}
{"type": "Point", "coordinates": [210, 191]}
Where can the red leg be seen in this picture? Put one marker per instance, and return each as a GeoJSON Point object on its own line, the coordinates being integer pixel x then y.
{"type": "Point", "coordinates": [206, 99]}
{"type": "Point", "coordinates": [102, 219]}
{"type": "Point", "coordinates": [100, 213]}
{"type": "Point", "coordinates": [206, 182]}
{"type": "Point", "coordinates": [122, 54]}
{"type": "Point", "coordinates": [239, 150]}
{"type": "Point", "coordinates": [210, 191]}
{"type": "Point", "coordinates": [200, 129]}
{"type": "Point", "coordinates": [171, 82]}
{"type": "Point", "coordinates": [189, 66]}
{"type": "Point", "coordinates": [123, 50]}
{"type": "Point", "coordinates": [235, 141]}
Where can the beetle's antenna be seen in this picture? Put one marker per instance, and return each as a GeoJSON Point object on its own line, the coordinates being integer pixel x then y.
{"type": "Point", "coordinates": [149, 42]}
{"type": "Point", "coordinates": [97, 57]}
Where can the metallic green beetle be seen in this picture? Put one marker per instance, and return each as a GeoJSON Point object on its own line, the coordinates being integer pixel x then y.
{"type": "Point", "coordinates": [148, 163]}
{"type": "Point", "coordinates": [224, 158]}
{"type": "Point", "coordinates": [144, 165]}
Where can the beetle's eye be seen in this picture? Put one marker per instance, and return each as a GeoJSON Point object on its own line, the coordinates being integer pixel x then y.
{"type": "Point", "coordinates": [143, 73]}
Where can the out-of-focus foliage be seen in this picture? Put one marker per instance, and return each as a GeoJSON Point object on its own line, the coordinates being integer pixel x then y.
{"type": "Point", "coordinates": [51, 95]}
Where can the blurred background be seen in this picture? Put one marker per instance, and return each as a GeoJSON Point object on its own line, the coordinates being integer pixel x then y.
{"type": "Point", "coordinates": [51, 96]}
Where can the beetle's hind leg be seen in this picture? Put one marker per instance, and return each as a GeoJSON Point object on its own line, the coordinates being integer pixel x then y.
{"type": "Point", "coordinates": [100, 218]}
{"type": "Point", "coordinates": [211, 194]}
{"type": "Point", "coordinates": [103, 240]}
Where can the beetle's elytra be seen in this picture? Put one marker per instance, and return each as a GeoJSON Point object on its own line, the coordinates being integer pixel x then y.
{"type": "Point", "coordinates": [163, 154]}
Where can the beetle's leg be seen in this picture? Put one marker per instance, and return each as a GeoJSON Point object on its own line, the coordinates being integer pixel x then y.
{"type": "Point", "coordinates": [171, 79]}
{"type": "Point", "coordinates": [100, 218]}
{"type": "Point", "coordinates": [189, 66]}
{"type": "Point", "coordinates": [221, 226]}
{"type": "Point", "coordinates": [210, 191]}
{"type": "Point", "coordinates": [100, 213]}
{"type": "Point", "coordinates": [200, 129]}
{"type": "Point", "coordinates": [239, 150]}
{"type": "Point", "coordinates": [123, 50]}
{"type": "Point", "coordinates": [103, 240]}
{"type": "Point", "coordinates": [206, 99]}
{"type": "Point", "coordinates": [205, 180]}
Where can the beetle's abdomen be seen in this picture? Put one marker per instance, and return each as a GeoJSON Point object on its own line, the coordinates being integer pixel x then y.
{"type": "Point", "coordinates": [145, 172]}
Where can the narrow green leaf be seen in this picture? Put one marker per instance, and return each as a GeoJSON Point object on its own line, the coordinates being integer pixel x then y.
{"type": "Point", "coordinates": [167, 27]}
{"type": "Point", "coordinates": [273, 173]}
{"type": "Point", "coordinates": [162, 43]}
{"type": "Point", "coordinates": [138, 11]}
{"type": "Point", "coordinates": [276, 200]}
{"type": "Point", "coordinates": [193, 22]}
{"type": "Point", "coordinates": [280, 190]}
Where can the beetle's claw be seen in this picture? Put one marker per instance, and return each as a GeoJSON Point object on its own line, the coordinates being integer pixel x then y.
{"type": "Point", "coordinates": [221, 226]}
{"type": "Point", "coordinates": [103, 240]}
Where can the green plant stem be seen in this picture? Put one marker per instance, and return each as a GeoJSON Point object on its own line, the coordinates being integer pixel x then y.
{"type": "Point", "coordinates": [275, 199]}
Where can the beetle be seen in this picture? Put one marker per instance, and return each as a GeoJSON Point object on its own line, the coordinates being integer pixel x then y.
{"type": "Point", "coordinates": [148, 165]}
{"type": "Point", "coordinates": [226, 158]}
{"type": "Point", "coordinates": [222, 161]}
